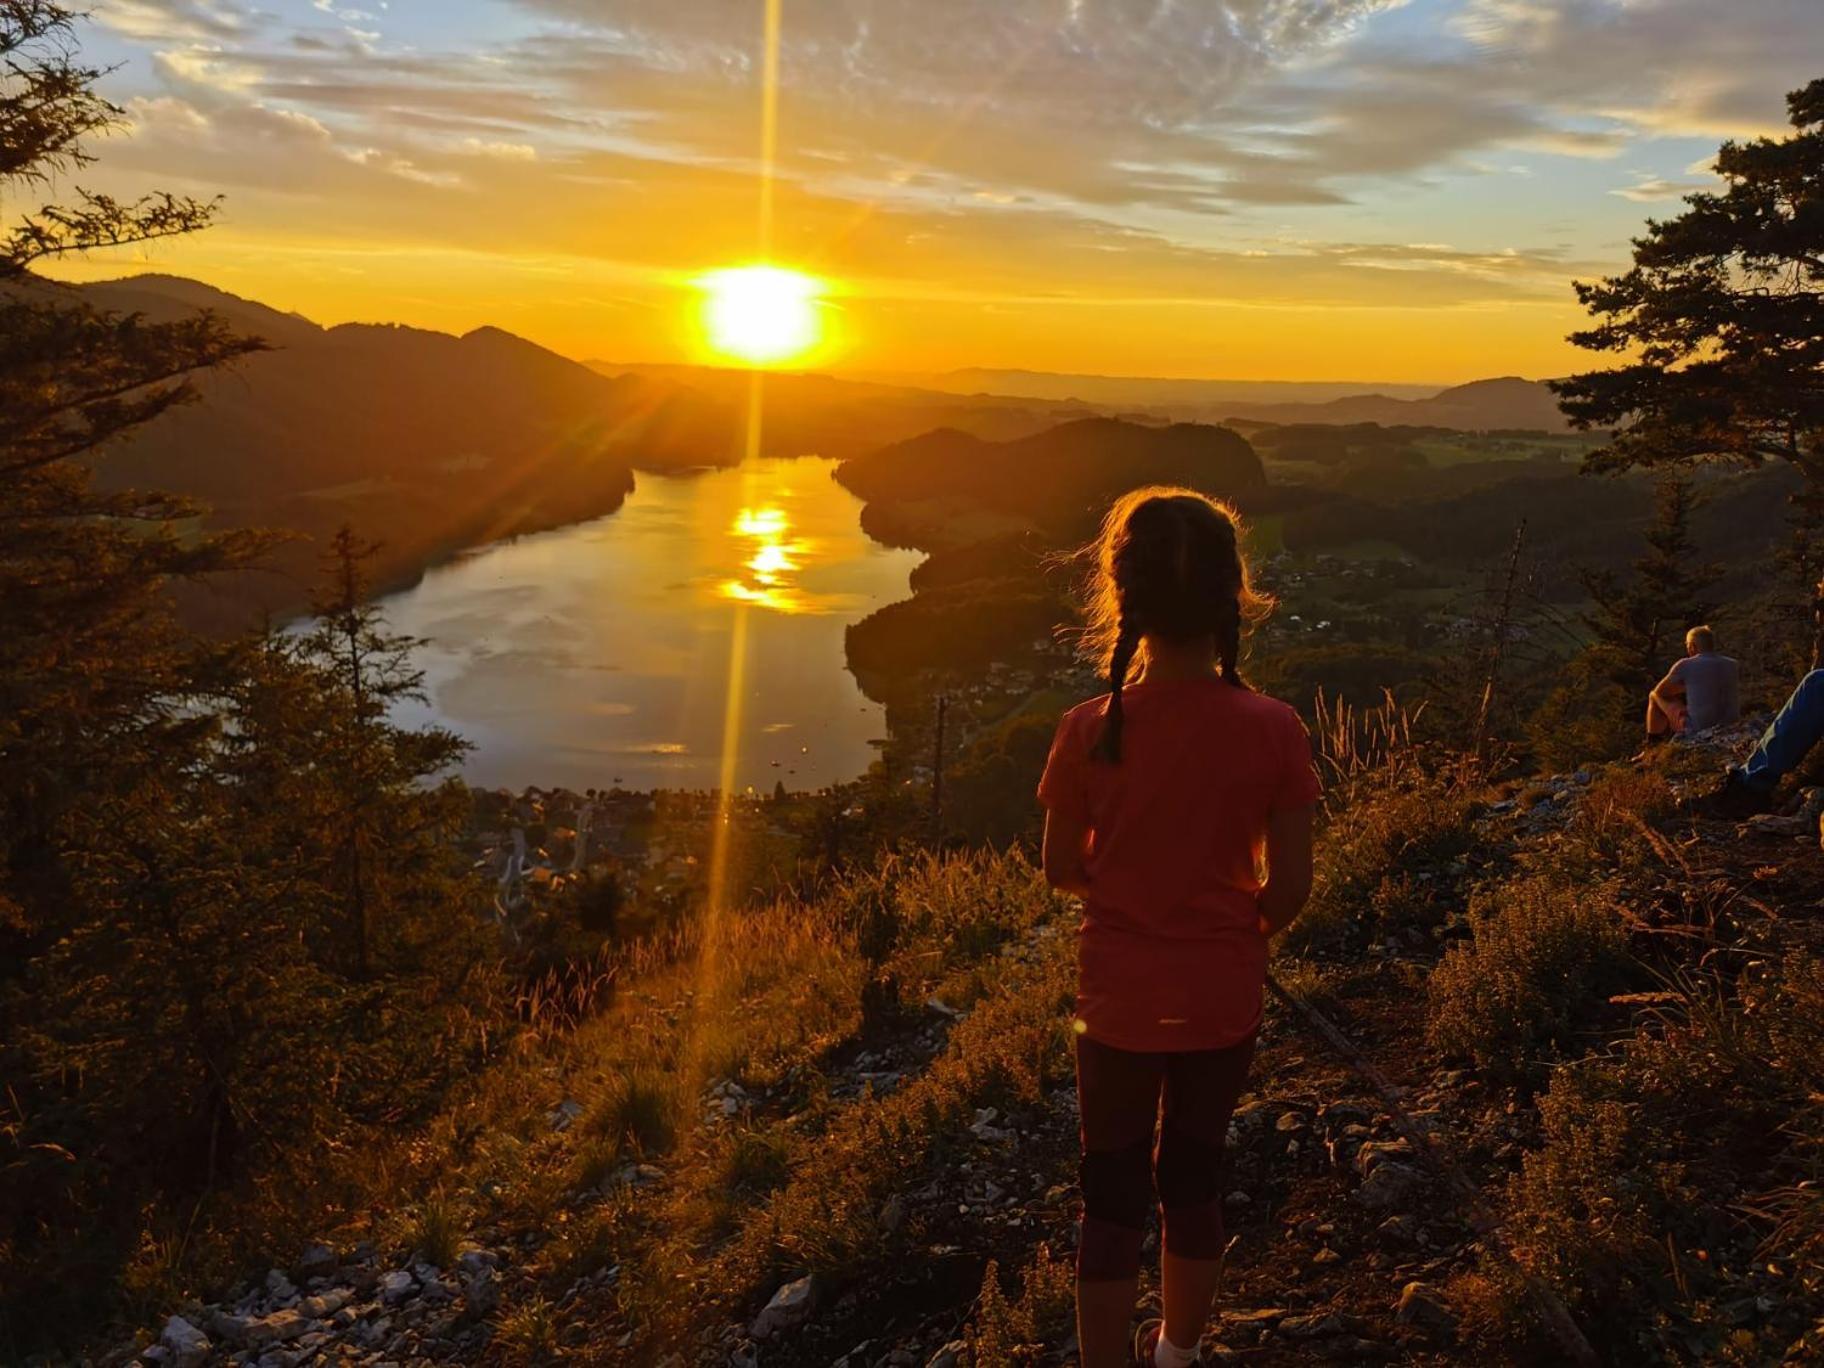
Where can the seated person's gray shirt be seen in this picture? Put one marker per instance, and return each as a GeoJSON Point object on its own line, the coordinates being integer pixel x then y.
{"type": "Point", "coordinates": [1712, 684]}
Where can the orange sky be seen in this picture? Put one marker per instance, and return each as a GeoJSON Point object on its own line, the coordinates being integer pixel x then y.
{"type": "Point", "coordinates": [1397, 190]}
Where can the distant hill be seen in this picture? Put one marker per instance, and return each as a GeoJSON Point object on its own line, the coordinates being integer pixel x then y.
{"type": "Point", "coordinates": [164, 298]}
{"type": "Point", "coordinates": [1143, 392]}
{"type": "Point", "coordinates": [1507, 402]}
{"type": "Point", "coordinates": [809, 414]}
{"type": "Point", "coordinates": [1061, 475]}
{"type": "Point", "coordinates": [421, 440]}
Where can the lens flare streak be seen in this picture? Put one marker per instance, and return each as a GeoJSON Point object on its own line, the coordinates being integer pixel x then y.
{"type": "Point", "coordinates": [708, 974]}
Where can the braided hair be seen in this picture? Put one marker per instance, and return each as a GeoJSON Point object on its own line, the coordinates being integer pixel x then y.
{"type": "Point", "coordinates": [1168, 566]}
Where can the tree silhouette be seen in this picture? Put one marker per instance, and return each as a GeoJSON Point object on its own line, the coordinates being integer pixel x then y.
{"type": "Point", "coordinates": [1638, 619]}
{"type": "Point", "coordinates": [219, 859]}
{"type": "Point", "coordinates": [1723, 313]}
{"type": "Point", "coordinates": [372, 770]}
{"type": "Point", "coordinates": [92, 670]}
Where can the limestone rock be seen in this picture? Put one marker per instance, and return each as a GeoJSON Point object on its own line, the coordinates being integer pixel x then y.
{"type": "Point", "coordinates": [472, 1261]}
{"type": "Point", "coordinates": [277, 1328]}
{"type": "Point", "coordinates": [1424, 1305]}
{"type": "Point", "coordinates": [481, 1292]}
{"type": "Point", "coordinates": [788, 1308]}
{"type": "Point", "coordinates": [1377, 1152]}
{"type": "Point", "coordinates": [892, 1214]}
{"type": "Point", "coordinates": [184, 1345]}
{"type": "Point", "coordinates": [1391, 1185]}
{"type": "Point", "coordinates": [318, 1261]}
{"type": "Point", "coordinates": [1314, 1326]}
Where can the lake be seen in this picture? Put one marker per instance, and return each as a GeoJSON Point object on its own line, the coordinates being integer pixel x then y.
{"type": "Point", "coordinates": [602, 653]}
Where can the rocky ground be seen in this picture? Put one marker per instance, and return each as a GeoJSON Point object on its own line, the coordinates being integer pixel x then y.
{"type": "Point", "coordinates": [342, 1308]}
{"type": "Point", "coordinates": [1343, 1239]}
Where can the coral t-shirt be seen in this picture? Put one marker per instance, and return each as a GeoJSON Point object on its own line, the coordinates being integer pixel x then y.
{"type": "Point", "coordinates": [1170, 955]}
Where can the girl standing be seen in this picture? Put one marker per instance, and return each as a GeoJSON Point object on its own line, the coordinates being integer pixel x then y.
{"type": "Point", "coordinates": [1179, 808]}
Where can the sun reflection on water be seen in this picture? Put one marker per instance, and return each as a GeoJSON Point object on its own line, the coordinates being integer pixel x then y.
{"type": "Point", "coordinates": [766, 575]}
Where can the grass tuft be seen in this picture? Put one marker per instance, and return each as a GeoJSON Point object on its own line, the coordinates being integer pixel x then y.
{"type": "Point", "coordinates": [436, 1234]}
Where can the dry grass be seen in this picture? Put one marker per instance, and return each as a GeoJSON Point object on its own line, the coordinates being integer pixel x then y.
{"type": "Point", "coordinates": [526, 1335]}
{"type": "Point", "coordinates": [436, 1234]}
{"type": "Point", "coordinates": [1376, 743]}
{"type": "Point", "coordinates": [764, 997]}
{"type": "Point", "coordinates": [1009, 1331]}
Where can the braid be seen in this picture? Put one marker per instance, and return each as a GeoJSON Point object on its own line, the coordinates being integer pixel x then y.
{"type": "Point", "coordinates": [1228, 641]}
{"type": "Point", "coordinates": [1108, 744]}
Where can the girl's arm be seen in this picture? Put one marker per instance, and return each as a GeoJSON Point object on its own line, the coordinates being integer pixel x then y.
{"type": "Point", "coordinates": [1288, 883]}
{"type": "Point", "coordinates": [1066, 843]}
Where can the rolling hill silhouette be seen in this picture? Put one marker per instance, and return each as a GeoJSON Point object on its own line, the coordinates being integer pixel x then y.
{"type": "Point", "coordinates": [1505, 402]}
{"type": "Point", "coordinates": [1502, 402]}
{"type": "Point", "coordinates": [1058, 475]}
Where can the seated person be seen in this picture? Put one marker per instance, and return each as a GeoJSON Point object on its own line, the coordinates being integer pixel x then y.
{"type": "Point", "coordinates": [1748, 787]}
{"type": "Point", "coordinates": [1700, 691]}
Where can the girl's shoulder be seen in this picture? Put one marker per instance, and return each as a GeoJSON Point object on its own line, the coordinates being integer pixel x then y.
{"type": "Point", "coordinates": [1090, 710]}
{"type": "Point", "coordinates": [1266, 706]}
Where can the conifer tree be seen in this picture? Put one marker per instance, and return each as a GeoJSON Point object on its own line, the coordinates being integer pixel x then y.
{"type": "Point", "coordinates": [93, 673]}
{"type": "Point", "coordinates": [1637, 620]}
{"type": "Point", "coordinates": [232, 918]}
{"type": "Point", "coordinates": [388, 832]}
{"type": "Point", "coordinates": [1723, 316]}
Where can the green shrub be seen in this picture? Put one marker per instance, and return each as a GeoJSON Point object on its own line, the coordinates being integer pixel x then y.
{"type": "Point", "coordinates": [1587, 717]}
{"type": "Point", "coordinates": [1544, 954]}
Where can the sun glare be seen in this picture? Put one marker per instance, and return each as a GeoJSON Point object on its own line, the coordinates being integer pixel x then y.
{"type": "Point", "coordinates": [762, 315]}
{"type": "Point", "coordinates": [766, 576]}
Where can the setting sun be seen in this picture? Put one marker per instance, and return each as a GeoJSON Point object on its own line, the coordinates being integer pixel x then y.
{"type": "Point", "coordinates": [760, 314]}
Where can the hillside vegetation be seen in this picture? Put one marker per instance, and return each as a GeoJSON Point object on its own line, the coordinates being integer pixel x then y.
{"type": "Point", "coordinates": [1057, 476]}
{"type": "Point", "coordinates": [838, 1126]}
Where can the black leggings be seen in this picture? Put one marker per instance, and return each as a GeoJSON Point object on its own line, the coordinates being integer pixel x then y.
{"type": "Point", "coordinates": [1119, 1095]}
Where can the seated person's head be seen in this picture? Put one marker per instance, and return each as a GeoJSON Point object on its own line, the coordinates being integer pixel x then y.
{"type": "Point", "coordinates": [1699, 640]}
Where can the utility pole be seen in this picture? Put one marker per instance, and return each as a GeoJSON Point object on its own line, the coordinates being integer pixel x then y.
{"type": "Point", "coordinates": [1503, 625]}
{"type": "Point", "coordinates": [937, 774]}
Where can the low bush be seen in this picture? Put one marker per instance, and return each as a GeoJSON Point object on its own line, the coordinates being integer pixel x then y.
{"type": "Point", "coordinates": [1387, 859]}
{"type": "Point", "coordinates": [1013, 1332]}
{"type": "Point", "coordinates": [1543, 956]}
{"type": "Point", "coordinates": [1614, 826]}
{"type": "Point", "coordinates": [1670, 1194]}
